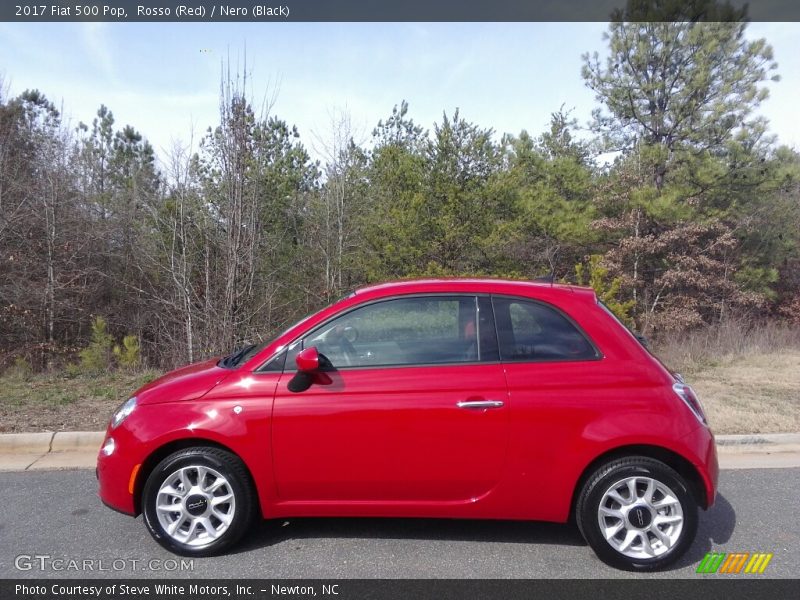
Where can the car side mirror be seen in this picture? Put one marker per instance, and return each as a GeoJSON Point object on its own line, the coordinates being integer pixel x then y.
{"type": "Point", "coordinates": [308, 360]}
{"type": "Point", "coordinates": [311, 367]}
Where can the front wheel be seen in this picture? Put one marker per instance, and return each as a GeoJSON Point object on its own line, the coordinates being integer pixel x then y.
{"type": "Point", "coordinates": [198, 501]}
{"type": "Point", "coordinates": [637, 514]}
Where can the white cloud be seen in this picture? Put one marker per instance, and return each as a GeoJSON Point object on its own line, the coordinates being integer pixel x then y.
{"type": "Point", "coordinates": [99, 49]}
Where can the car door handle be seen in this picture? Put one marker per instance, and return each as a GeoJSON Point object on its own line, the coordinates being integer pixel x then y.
{"type": "Point", "coordinates": [480, 404]}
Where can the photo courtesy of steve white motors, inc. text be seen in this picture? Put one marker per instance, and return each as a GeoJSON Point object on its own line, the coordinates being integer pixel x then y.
{"type": "Point", "coordinates": [168, 589]}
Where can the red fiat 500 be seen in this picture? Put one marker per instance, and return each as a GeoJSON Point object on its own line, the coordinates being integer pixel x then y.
{"type": "Point", "coordinates": [442, 398]}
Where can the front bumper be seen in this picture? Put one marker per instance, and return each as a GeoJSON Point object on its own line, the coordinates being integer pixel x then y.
{"type": "Point", "coordinates": [116, 473]}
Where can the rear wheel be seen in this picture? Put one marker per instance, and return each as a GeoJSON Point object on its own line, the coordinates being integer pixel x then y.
{"type": "Point", "coordinates": [198, 501]}
{"type": "Point", "coordinates": [637, 514]}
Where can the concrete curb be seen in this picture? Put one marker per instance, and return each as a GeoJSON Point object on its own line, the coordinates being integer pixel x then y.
{"type": "Point", "coordinates": [48, 441]}
{"type": "Point", "coordinates": [758, 439]}
{"type": "Point", "coordinates": [78, 449]}
{"type": "Point", "coordinates": [77, 441]}
{"type": "Point", "coordinates": [759, 451]}
{"type": "Point", "coordinates": [26, 443]}
{"type": "Point", "coordinates": [69, 441]}
{"type": "Point", "coordinates": [49, 450]}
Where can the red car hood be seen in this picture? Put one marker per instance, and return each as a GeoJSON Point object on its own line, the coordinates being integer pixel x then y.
{"type": "Point", "coordinates": [186, 383]}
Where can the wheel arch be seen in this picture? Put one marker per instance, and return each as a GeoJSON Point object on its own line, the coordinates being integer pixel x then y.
{"type": "Point", "coordinates": [168, 448]}
{"type": "Point", "coordinates": [672, 459]}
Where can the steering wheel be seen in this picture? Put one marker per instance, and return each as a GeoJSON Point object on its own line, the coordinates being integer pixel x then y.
{"type": "Point", "coordinates": [351, 333]}
{"type": "Point", "coordinates": [349, 354]}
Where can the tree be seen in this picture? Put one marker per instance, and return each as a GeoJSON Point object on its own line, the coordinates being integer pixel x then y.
{"type": "Point", "coordinates": [228, 164]}
{"type": "Point", "coordinates": [96, 357]}
{"type": "Point", "coordinates": [548, 182]}
{"type": "Point", "coordinates": [432, 208]}
{"type": "Point", "coordinates": [254, 175]}
{"type": "Point", "coordinates": [332, 224]}
{"type": "Point", "coordinates": [595, 275]}
{"type": "Point", "coordinates": [284, 178]}
{"type": "Point", "coordinates": [42, 255]}
{"type": "Point", "coordinates": [459, 214]}
{"type": "Point", "coordinates": [396, 174]}
{"type": "Point", "coordinates": [672, 84]}
{"type": "Point", "coordinates": [682, 268]}
{"type": "Point", "coordinates": [173, 260]}
{"type": "Point", "coordinates": [96, 150]}
{"type": "Point", "coordinates": [117, 181]}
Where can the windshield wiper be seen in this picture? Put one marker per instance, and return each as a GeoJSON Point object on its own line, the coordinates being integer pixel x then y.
{"type": "Point", "coordinates": [233, 359]}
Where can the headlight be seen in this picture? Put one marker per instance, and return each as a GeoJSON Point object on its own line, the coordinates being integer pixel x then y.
{"type": "Point", "coordinates": [110, 445]}
{"type": "Point", "coordinates": [123, 412]}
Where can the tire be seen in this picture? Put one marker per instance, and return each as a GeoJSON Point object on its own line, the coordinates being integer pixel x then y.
{"type": "Point", "coordinates": [213, 515]}
{"type": "Point", "coordinates": [637, 514]}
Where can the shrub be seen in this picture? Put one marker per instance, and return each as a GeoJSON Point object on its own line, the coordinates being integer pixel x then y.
{"type": "Point", "coordinates": [128, 355]}
{"type": "Point", "coordinates": [72, 370]}
{"type": "Point", "coordinates": [96, 357]}
{"type": "Point", "coordinates": [21, 370]}
{"type": "Point", "coordinates": [607, 291]}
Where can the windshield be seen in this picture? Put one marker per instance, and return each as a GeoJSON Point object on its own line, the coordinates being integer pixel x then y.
{"type": "Point", "coordinates": [248, 351]}
{"type": "Point", "coordinates": [240, 356]}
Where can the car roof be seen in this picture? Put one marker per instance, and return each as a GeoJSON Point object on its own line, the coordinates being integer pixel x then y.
{"type": "Point", "coordinates": [473, 285]}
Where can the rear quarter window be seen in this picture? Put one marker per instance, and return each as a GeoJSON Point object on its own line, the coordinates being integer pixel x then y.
{"type": "Point", "coordinates": [533, 331]}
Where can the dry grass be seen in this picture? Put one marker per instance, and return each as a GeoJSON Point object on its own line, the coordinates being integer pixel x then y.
{"type": "Point", "coordinates": [720, 344]}
{"type": "Point", "coordinates": [59, 403]}
{"type": "Point", "coordinates": [758, 393]}
{"type": "Point", "coordinates": [748, 377]}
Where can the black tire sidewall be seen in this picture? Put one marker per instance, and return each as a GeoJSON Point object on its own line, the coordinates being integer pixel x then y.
{"type": "Point", "coordinates": [230, 467]}
{"type": "Point", "coordinates": [602, 479]}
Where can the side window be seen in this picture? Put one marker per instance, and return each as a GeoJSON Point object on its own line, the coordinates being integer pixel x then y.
{"type": "Point", "coordinates": [402, 331]}
{"type": "Point", "coordinates": [274, 365]}
{"type": "Point", "coordinates": [532, 331]}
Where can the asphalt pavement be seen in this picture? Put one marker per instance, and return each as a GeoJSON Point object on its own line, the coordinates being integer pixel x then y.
{"type": "Point", "coordinates": [52, 525]}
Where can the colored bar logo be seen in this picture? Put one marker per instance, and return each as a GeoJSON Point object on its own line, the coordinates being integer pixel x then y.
{"type": "Point", "coordinates": [734, 563]}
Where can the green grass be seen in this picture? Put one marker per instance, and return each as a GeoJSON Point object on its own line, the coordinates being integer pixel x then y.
{"type": "Point", "coordinates": [107, 392]}
{"type": "Point", "coordinates": [64, 402]}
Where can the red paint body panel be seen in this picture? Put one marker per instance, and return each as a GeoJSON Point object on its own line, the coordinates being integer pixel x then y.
{"type": "Point", "coordinates": [393, 442]}
{"type": "Point", "coordinates": [246, 434]}
{"type": "Point", "coordinates": [187, 383]}
{"type": "Point", "coordinates": [387, 435]}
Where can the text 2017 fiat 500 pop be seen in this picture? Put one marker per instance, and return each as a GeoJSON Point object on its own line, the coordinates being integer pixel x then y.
{"type": "Point", "coordinates": [468, 399]}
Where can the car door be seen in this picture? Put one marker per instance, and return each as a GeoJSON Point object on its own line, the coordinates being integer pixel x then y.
{"type": "Point", "coordinates": [413, 410]}
{"type": "Point", "coordinates": [557, 382]}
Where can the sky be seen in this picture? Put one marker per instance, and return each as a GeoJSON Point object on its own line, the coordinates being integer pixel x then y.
{"type": "Point", "coordinates": [163, 78]}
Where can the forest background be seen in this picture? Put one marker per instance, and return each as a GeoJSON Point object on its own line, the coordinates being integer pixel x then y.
{"type": "Point", "coordinates": [112, 259]}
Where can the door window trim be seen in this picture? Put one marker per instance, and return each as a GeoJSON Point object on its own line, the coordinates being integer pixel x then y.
{"type": "Point", "coordinates": [598, 355]}
{"type": "Point", "coordinates": [290, 368]}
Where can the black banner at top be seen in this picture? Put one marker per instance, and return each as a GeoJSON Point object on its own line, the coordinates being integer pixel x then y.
{"type": "Point", "coordinates": [395, 10]}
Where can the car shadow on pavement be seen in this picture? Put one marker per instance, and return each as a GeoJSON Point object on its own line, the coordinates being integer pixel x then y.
{"type": "Point", "coordinates": [715, 528]}
{"type": "Point", "coordinates": [274, 532]}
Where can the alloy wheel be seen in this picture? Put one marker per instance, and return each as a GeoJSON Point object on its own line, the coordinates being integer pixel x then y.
{"type": "Point", "coordinates": [640, 517]}
{"type": "Point", "coordinates": [195, 505]}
